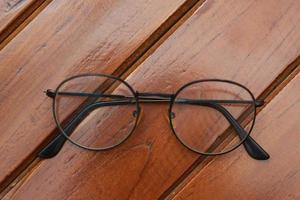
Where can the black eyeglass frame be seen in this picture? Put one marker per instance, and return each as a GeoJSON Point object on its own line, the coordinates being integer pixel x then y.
{"type": "Point", "coordinates": [214, 80]}
{"type": "Point", "coordinates": [251, 146]}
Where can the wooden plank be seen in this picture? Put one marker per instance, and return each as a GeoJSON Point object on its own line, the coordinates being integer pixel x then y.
{"type": "Point", "coordinates": [236, 176]}
{"type": "Point", "coordinates": [68, 38]}
{"type": "Point", "coordinates": [269, 93]}
{"type": "Point", "coordinates": [15, 14]}
{"type": "Point", "coordinates": [225, 39]}
{"type": "Point", "coordinates": [10, 9]}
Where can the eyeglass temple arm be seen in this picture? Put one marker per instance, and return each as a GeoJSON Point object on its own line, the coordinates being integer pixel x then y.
{"type": "Point", "coordinates": [253, 149]}
{"type": "Point", "coordinates": [53, 148]}
{"type": "Point", "coordinates": [251, 146]}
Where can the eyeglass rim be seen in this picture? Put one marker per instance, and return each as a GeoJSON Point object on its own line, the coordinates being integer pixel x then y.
{"type": "Point", "coordinates": [98, 75]}
{"type": "Point", "coordinates": [135, 95]}
{"type": "Point", "coordinates": [211, 80]}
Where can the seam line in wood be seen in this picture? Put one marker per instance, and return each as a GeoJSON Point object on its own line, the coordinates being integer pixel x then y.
{"type": "Point", "coordinates": [21, 20]}
{"type": "Point", "coordinates": [129, 65]}
{"type": "Point", "coordinates": [267, 95]}
{"type": "Point", "coordinates": [161, 34]}
{"type": "Point", "coordinates": [25, 173]}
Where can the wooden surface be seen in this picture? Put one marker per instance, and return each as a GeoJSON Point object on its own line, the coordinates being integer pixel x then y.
{"type": "Point", "coordinates": [65, 39]}
{"type": "Point", "coordinates": [278, 178]}
{"type": "Point", "coordinates": [9, 9]}
{"type": "Point", "coordinates": [15, 15]}
{"type": "Point", "coordinates": [251, 42]}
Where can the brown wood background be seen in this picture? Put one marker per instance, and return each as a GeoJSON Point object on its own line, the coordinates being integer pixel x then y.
{"type": "Point", "coordinates": [165, 44]}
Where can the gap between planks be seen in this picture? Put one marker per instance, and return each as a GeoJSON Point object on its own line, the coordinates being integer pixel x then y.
{"type": "Point", "coordinates": [21, 20]}
{"type": "Point", "coordinates": [124, 70]}
{"type": "Point", "coordinates": [17, 182]}
{"type": "Point", "coordinates": [267, 95]}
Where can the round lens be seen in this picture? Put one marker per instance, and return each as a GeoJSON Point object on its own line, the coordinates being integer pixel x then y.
{"type": "Point", "coordinates": [204, 112]}
{"type": "Point", "coordinates": [95, 111]}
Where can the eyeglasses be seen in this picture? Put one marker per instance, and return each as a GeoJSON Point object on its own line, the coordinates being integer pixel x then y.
{"type": "Point", "coordinates": [99, 112]}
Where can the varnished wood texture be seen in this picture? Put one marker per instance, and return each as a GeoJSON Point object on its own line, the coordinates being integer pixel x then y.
{"type": "Point", "coordinates": [236, 177]}
{"type": "Point", "coordinates": [65, 39]}
{"type": "Point", "coordinates": [251, 42]}
{"type": "Point", "coordinates": [9, 9]}
{"type": "Point", "coordinates": [15, 15]}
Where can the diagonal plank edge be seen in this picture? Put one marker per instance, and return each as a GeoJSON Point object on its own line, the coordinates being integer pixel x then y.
{"type": "Point", "coordinates": [267, 95]}
{"type": "Point", "coordinates": [15, 15]}
{"type": "Point", "coordinates": [9, 10]}
{"type": "Point", "coordinates": [223, 39]}
{"type": "Point", "coordinates": [281, 81]}
{"type": "Point", "coordinates": [157, 37]}
{"type": "Point", "coordinates": [78, 38]}
{"type": "Point", "coordinates": [277, 178]}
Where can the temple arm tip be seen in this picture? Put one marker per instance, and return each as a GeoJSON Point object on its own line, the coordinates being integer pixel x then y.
{"type": "Point", "coordinates": [46, 153]}
{"type": "Point", "coordinates": [50, 93]}
{"type": "Point", "coordinates": [255, 150]}
{"type": "Point", "coordinates": [53, 148]}
{"type": "Point", "coordinates": [259, 103]}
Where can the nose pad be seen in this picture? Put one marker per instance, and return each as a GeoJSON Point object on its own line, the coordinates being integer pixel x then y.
{"type": "Point", "coordinates": [172, 115]}
{"type": "Point", "coordinates": [135, 113]}
{"type": "Point", "coordinates": [169, 116]}
{"type": "Point", "coordinates": [138, 114]}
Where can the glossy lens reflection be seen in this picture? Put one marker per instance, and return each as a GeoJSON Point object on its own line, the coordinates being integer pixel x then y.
{"type": "Point", "coordinates": [204, 114]}
{"type": "Point", "coordinates": [95, 111]}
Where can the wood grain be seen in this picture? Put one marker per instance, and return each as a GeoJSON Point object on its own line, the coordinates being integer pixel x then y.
{"type": "Point", "coordinates": [236, 176]}
{"type": "Point", "coordinates": [66, 38]}
{"type": "Point", "coordinates": [9, 9]}
{"type": "Point", "coordinates": [15, 15]}
{"type": "Point", "coordinates": [223, 39]}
